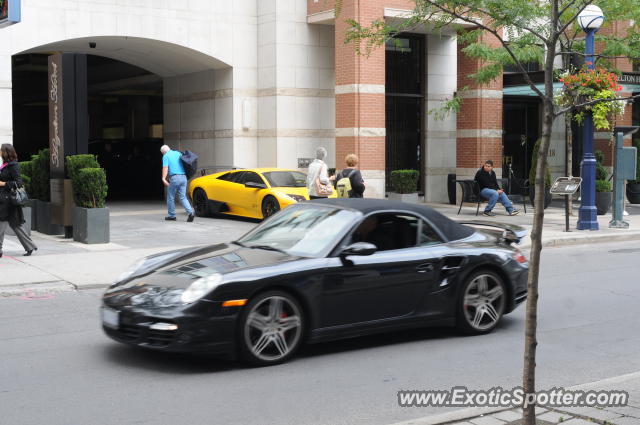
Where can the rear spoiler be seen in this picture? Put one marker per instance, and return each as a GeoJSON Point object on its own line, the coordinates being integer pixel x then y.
{"type": "Point", "coordinates": [511, 233]}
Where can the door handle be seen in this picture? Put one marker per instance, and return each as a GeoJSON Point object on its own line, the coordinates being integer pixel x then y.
{"type": "Point", "coordinates": [450, 268]}
{"type": "Point", "coordinates": [424, 268]}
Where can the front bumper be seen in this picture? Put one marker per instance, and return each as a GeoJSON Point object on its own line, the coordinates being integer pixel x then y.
{"type": "Point", "coordinates": [173, 332]}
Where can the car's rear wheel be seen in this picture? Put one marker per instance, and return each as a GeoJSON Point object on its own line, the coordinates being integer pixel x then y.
{"type": "Point", "coordinates": [200, 203]}
{"type": "Point", "coordinates": [270, 206]}
{"type": "Point", "coordinates": [482, 303]}
{"type": "Point", "coordinates": [271, 328]}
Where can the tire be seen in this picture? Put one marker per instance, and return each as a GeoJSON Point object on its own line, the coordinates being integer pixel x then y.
{"type": "Point", "coordinates": [200, 203]}
{"type": "Point", "coordinates": [480, 306]}
{"type": "Point", "coordinates": [270, 328]}
{"type": "Point", "coordinates": [270, 206]}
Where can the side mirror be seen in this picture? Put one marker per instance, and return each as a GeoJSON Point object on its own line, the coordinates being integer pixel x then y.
{"type": "Point", "coordinates": [254, 185]}
{"type": "Point", "coordinates": [359, 248]}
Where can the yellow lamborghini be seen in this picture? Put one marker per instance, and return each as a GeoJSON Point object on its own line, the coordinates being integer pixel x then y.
{"type": "Point", "coordinates": [256, 193]}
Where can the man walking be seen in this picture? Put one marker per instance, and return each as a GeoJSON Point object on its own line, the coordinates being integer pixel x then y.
{"type": "Point", "coordinates": [489, 189]}
{"type": "Point", "coordinates": [173, 176]}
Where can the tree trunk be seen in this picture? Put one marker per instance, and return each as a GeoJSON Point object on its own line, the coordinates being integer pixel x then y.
{"type": "Point", "coordinates": [531, 320]}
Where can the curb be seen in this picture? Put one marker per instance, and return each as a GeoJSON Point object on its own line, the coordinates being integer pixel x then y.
{"type": "Point", "coordinates": [37, 289]}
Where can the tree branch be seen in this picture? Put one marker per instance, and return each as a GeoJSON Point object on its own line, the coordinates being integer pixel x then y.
{"type": "Point", "coordinates": [524, 73]}
{"type": "Point", "coordinates": [592, 102]}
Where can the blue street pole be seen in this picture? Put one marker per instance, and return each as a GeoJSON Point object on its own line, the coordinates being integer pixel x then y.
{"type": "Point", "coordinates": [588, 215]}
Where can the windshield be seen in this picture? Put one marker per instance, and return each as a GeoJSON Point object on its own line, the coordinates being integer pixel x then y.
{"type": "Point", "coordinates": [286, 178]}
{"type": "Point", "coordinates": [303, 230]}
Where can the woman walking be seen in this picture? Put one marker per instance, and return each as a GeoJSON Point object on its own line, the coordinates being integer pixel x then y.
{"type": "Point", "coordinates": [318, 183]}
{"type": "Point", "coordinates": [354, 176]}
{"type": "Point", "coordinates": [11, 215]}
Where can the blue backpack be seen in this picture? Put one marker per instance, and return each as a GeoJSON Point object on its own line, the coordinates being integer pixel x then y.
{"type": "Point", "coordinates": [190, 163]}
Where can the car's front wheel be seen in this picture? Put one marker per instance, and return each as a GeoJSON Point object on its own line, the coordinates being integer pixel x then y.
{"type": "Point", "coordinates": [200, 203]}
{"type": "Point", "coordinates": [482, 302]}
{"type": "Point", "coordinates": [270, 206]}
{"type": "Point", "coordinates": [271, 328]}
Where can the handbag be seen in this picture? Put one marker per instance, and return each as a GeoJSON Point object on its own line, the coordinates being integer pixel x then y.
{"type": "Point", "coordinates": [321, 188]}
{"type": "Point", "coordinates": [18, 197]}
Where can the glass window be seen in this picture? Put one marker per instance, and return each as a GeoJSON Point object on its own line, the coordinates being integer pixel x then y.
{"type": "Point", "coordinates": [233, 176]}
{"type": "Point", "coordinates": [251, 177]}
{"type": "Point", "coordinates": [388, 231]}
{"type": "Point", "coordinates": [286, 178]}
{"type": "Point", "coordinates": [427, 235]}
{"type": "Point", "coordinates": [304, 230]}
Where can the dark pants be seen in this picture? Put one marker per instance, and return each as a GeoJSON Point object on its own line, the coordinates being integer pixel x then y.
{"type": "Point", "coordinates": [23, 237]}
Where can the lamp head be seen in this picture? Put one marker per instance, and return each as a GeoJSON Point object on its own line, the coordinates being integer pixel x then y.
{"type": "Point", "coordinates": [591, 18]}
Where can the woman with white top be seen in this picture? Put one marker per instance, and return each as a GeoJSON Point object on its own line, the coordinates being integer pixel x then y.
{"type": "Point", "coordinates": [318, 177]}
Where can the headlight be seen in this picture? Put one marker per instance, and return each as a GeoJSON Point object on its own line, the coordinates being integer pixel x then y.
{"type": "Point", "coordinates": [297, 198]}
{"type": "Point", "coordinates": [200, 288]}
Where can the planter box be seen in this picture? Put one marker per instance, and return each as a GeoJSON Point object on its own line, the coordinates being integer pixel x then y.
{"type": "Point", "coordinates": [27, 222]}
{"type": "Point", "coordinates": [91, 225]}
{"type": "Point", "coordinates": [403, 197]}
{"type": "Point", "coordinates": [33, 215]}
{"type": "Point", "coordinates": [633, 193]}
{"type": "Point", "coordinates": [44, 220]}
{"type": "Point", "coordinates": [603, 202]}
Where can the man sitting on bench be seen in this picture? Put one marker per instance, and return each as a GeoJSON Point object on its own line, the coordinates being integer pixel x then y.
{"type": "Point", "coordinates": [489, 189]}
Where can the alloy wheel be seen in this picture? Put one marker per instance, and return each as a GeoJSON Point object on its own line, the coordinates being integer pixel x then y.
{"type": "Point", "coordinates": [273, 329]}
{"type": "Point", "coordinates": [270, 206]}
{"type": "Point", "coordinates": [200, 202]}
{"type": "Point", "coordinates": [483, 302]}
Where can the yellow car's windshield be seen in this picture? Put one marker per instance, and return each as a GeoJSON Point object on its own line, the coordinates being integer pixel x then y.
{"type": "Point", "coordinates": [304, 230]}
{"type": "Point", "coordinates": [286, 178]}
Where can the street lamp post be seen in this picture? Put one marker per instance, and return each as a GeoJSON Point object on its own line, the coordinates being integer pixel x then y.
{"type": "Point", "coordinates": [590, 19]}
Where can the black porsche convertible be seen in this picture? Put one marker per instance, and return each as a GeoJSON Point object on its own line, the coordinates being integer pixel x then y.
{"type": "Point", "coordinates": [317, 271]}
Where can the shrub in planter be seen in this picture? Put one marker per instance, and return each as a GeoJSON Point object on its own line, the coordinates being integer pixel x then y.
{"type": "Point", "coordinates": [404, 181]}
{"type": "Point", "coordinates": [405, 185]}
{"type": "Point", "coordinates": [90, 217]}
{"type": "Point", "coordinates": [604, 196]}
{"type": "Point", "coordinates": [92, 187]}
{"type": "Point", "coordinates": [40, 175]}
{"type": "Point", "coordinates": [26, 170]}
{"type": "Point", "coordinates": [75, 163]}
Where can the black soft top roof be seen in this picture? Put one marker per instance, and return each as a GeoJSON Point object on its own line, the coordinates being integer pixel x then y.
{"type": "Point", "coordinates": [451, 229]}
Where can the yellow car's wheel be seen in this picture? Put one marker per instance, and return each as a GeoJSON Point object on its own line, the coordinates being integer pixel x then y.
{"type": "Point", "coordinates": [200, 203]}
{"type": "Point", "coordinates": [270, 206]}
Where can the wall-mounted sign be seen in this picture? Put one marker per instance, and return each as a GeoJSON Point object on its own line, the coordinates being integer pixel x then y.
{"type": "Point", "coordinates": [9, 12]}
{"type": "Point", "coordinates": [629, 78]}
{"type": "Point", "coordinates": [56, 116]}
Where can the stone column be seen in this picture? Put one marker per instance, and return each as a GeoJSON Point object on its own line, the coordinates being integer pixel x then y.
{"type": "Point", "coordinates": [479, 135]}
{"type": "Point", "coordinates": [360, 98]}
{"type": "Point", "coordinates": [6, 102]}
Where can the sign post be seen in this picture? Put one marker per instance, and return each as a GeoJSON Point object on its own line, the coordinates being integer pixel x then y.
{"type": "Point", "coordinates": [625, 169]}
{"type": "Point", "coordinates": [566, 186]}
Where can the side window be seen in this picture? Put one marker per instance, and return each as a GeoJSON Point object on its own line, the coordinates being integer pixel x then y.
{"type": "Point", "coordinates": [427, 235]}
{"type": "Point", "coordinates": [388, 231]}
{"type": "Point", "coordinates": [251, 177]}
{"type": "Point", "coordinates": [237, 177]}
{"type": "Point", "coordinates": [226, 177]}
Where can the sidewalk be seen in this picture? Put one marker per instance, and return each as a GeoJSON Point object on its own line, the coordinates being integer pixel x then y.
{"type": "Point", "coordinates": [554, 223]}
{"type": "Point", "coordinates": [628, 415]}
{"type": "Point", "coordinates": [139, 229]}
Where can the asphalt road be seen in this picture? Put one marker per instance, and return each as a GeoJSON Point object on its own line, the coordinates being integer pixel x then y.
{"type": "Point", "coordinates": [57, 368]}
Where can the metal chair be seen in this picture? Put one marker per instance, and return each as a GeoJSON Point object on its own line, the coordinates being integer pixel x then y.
{"type": "Point", "coordinates": [470, 194]}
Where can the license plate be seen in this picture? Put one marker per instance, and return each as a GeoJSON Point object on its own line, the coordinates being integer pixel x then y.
{"type": "Point", "coordinates": [110, 318]}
